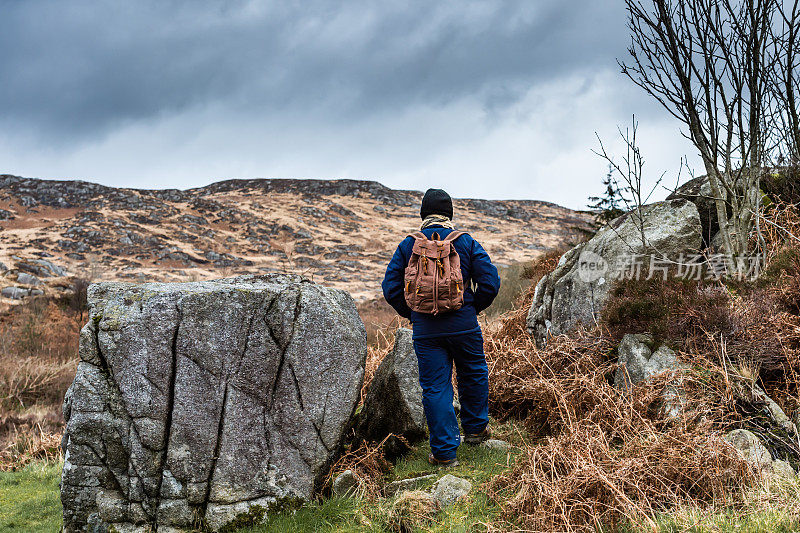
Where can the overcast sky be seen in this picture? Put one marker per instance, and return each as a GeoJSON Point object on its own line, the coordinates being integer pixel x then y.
{"type": "Point", "coordinates": [495, 99]}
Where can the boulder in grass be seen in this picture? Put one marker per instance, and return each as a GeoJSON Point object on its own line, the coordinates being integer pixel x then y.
{"type": "Point", "coordinates": [208, 401]}
{"type": "Point", "coordinates": [449, 489]}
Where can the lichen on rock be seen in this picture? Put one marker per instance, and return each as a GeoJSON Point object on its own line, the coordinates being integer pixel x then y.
{"type": "Point", "coordinates": [200, 402]}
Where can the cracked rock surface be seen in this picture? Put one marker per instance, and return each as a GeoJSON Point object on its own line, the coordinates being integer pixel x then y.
{"type": "Point", "coordinates": [195, 403]}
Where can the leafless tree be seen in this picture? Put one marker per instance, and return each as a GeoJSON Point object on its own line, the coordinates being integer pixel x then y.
{"type": "Point", "coordinates": [784, 116]}
{"type": "Point", "coordinates": [707, 63]}
{"type": "Point", "coordinates": [630, 173]}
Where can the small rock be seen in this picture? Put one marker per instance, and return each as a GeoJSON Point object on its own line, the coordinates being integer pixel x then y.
{"type": "Point", "coordinates": [413, 483]}
{"type": "Point", "coordinates": [3, 267]}
{"type": "Point", "coordinates": [15, 293]}
{"type": "Point", "coordinates": [28, 279]}
{"type": "Point", "coordinates": [750, 448]}
{"type": "Point", "coordinates": [345, 484]}
{"type": "Point", "coordinates": [637, 361]}
{"type": "Point", "coordinates": [450, 488]}
{"type": "Point", "coordinates": [774, 410]}
{"type": "Point", "coordinates": [496, 444]}
{"type": "Point", "coordinates": [782, 469]}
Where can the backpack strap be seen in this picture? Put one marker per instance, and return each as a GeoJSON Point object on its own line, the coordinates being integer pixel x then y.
{"type": "Point", "coordinates": [454, 235]}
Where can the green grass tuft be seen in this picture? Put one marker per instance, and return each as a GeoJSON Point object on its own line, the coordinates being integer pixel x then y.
{"type": "Point", "coordinates": [344, 515]}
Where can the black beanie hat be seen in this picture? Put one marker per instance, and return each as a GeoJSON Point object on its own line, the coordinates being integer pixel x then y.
{"type": "Point", "coordinates": [436, 202]}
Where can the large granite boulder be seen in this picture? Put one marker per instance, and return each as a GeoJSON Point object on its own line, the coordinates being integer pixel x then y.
{"type": "Point", "coordinates": [576, 291]}
{"type": "Point", "coordinates": [199, 403]}
{"type": "Point", "coordinates": [393, 403]}
{"type": "Point", "coordinates": [698, 191]}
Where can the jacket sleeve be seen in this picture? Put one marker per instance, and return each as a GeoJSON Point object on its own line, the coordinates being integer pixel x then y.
{"type": "Point", "coordinates": [393, 283]}
{"type": "Point", "coordinates": [484, 275]}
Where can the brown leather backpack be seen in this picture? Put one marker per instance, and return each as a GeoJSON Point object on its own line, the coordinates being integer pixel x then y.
{"type": "Point", "coordinates": [433, 281]}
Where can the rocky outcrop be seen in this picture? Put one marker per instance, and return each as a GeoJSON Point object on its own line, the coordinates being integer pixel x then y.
{"type": "Point", "coordinates": [576, 291]}
{"type": "Point", "coordinates": [18, 293]}
{"type": "Point", "coordinates": [248, 226]}
{"type": "Point", "coordinates": [393, 403]}
{"type": "Point", "coordinates": [28, 279]}
{"type": "Point", "coordinates": [201, 402]}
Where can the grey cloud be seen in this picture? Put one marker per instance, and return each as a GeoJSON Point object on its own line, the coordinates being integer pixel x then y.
{"type": "Point", "coordinates": [76, 70]}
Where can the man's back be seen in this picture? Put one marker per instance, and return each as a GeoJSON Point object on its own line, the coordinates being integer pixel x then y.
{"type": "Point", "coordinates": [476, 268]}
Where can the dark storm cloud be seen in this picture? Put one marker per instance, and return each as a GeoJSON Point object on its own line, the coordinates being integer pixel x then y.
{"type": "Point", "coordinates": [76, 70]}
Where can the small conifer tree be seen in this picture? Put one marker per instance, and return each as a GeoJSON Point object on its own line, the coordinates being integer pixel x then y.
{"type": "Point", "coordinates": [610, 205]}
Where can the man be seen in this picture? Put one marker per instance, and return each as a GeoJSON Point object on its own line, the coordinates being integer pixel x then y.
{"type": "Point", "coordinates": [453, 336]}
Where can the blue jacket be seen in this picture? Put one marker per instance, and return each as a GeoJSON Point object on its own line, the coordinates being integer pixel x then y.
{"type": "Point", "coordinates": [476, 267]}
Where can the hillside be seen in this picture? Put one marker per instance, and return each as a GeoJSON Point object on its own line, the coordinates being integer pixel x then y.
{"type": "Point", "coordinates": [338, 232]}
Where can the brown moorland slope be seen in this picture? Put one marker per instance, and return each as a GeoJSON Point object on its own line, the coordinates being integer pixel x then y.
{"type": "Point", "coordinates": [338, 232]}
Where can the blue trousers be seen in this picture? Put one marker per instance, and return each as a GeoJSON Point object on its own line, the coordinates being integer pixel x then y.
{"type": "Point", "coordinates": [435, 357]}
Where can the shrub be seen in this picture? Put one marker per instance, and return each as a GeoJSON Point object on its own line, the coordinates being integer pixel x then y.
{"type": "Point", "coordinates": [38, 354]}
{"type": "Point", "coordinates": [38, 358]}
{"type": "Point", "coordinates": [77, 300]}
{"type": "Point", "coordinates": [605, 458]}
{"type": "Point", "coordinates": [673, 310]}
{"type": "Point", "coordinates": [783, 186]}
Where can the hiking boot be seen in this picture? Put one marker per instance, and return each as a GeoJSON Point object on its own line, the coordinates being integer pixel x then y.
{"type": "Point", "coordinates": [473, 439]}
{"type": "Point", "coordinates": [447, 463]}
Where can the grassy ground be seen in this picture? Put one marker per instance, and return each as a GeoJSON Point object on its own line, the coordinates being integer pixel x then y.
{"type": "Point", "coordinates": [356, 514]}
{"type": "Point", "coordinates": [29, 499]}
{"type": "Point", "coordinates": [29, 502]}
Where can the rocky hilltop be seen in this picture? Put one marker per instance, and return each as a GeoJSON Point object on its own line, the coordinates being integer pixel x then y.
{"type": "Point", "coordinates": [338, 232]}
